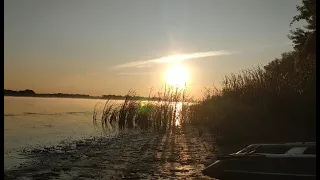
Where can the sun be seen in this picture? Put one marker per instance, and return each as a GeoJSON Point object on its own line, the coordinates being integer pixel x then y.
{"type": "Point", "coordinates": [177, 75]}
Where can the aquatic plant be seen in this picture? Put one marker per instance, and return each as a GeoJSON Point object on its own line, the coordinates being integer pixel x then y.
{"type": "Point", "coordinates": [159, 114]}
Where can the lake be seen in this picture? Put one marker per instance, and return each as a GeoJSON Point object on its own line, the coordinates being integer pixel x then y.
{"type": "Point", "coordinates": [38, 122]}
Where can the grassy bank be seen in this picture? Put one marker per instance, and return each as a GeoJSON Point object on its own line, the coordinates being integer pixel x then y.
{"type": "Point", "coordinates": [273, 103]}
{"type": "Point", "coordinates": [254, 107]}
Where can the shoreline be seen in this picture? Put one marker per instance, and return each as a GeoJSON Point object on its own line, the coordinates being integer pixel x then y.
{"type": "Point", "coordinates": [62, 97]}
{"type": "Point", "coordinates": [135, 155]}
{"type": "Point", "coordinates": [97, 98]}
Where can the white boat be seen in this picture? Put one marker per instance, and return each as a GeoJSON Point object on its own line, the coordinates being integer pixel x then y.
{"type": "Point", "coordinates": [267, 161]}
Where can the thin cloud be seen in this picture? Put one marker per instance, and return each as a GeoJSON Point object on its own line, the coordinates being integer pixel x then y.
{"type": "Point", "coordinates": [264, 46]}
{"type": "Point", "coordinates": [174, 58]}
{"type": "Point", "coordinates": [134, 73]}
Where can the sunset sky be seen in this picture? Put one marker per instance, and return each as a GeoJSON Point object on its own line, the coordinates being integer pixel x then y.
{"type": "Point", "coordinates": [107, 47]}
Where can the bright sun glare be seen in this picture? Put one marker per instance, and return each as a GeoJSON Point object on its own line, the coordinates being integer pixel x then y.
{"type": "Point", "coordinates": [177, 75]}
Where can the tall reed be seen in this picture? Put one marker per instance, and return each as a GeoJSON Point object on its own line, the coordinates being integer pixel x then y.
{"type": "Point", "coordinates": [160, 114]}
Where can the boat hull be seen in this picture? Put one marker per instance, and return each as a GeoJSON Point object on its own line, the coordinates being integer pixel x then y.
{"type": "Point", "coordinates": [262, 168]}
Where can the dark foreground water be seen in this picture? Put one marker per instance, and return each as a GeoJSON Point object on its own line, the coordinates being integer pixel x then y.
{"type": "Point", "coordinates": [179, 154]}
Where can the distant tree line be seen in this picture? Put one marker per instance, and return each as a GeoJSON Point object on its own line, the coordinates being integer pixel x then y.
{"type": "Point", "coordinates": [26, 92]}
{"type": "Point", "coordinates": [31, 93]}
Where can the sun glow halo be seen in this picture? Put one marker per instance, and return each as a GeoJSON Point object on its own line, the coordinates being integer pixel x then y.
{"type": "Point", "coordinates": [177, 75]}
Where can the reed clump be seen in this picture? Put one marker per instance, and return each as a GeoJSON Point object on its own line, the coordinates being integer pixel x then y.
{"type": "Point", "coordinates": [166, 112]}
{"type": "Point", "coordinates": [263, 104]}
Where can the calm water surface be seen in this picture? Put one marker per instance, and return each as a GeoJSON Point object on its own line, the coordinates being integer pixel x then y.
{"type": "Point", "coordinates": [39, 122]}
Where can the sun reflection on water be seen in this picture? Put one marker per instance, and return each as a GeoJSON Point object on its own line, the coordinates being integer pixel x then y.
{"type": "Point", "coordinates": [178, 108]}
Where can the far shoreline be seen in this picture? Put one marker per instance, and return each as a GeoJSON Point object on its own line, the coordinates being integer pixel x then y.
{"type": "Point", "coordinates": [57, 97]}
{"type": "Point", "coordinates": [99, 98]}
{"type": "Point", "coordinates": [31, 93]}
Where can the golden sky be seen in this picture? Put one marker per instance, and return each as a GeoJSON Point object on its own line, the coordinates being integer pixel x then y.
{"type": "Point", "coordinates": [107, 47]}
